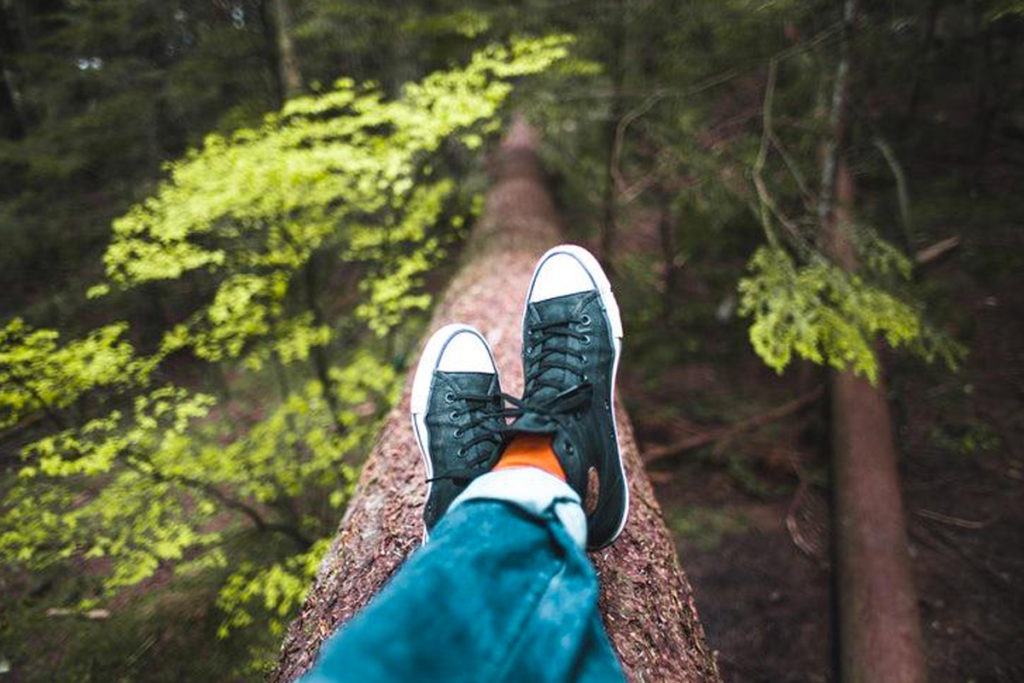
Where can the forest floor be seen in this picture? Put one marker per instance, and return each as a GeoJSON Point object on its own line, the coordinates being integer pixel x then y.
{"type": "Point", "coordinates": [739, 507]}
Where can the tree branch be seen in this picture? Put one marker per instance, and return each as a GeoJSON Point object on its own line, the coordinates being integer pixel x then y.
{"type": "Point", "coordinates": [688, 444]}
{"type": "Point", "coordinates": [209, 489]}
{"type": "Point", "coordinates": [937, 250]}
{"type": "Point", "coordinates": [901, 189]}
{"type": "Point", "coordinates": [57, 420]}
{"type": "Point", "coordinates": [767, 207]}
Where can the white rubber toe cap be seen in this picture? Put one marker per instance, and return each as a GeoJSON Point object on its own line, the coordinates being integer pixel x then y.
{"type": "Point", "coordinates": [558, 275]}
{"type": "Point", "coordinates": [465, 351]}
{"type": "Point", "coordinates": [453, 348]}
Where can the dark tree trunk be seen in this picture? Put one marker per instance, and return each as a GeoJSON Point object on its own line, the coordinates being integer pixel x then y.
{"type": "Point", "coordinates": [11, 124]}
{"type": "Point", "coordinates": [987, 100]}
{"type": "Point", "coordinates": [646, 599]}
{"type": "Point", "coordinates": [318, 354]}
{"type": "Point", "coordinates": [667, 239]}
{"type": "Point", "coordinates": [270, 53]}
{"type": "Point", "coordinates": [289, 74]}
{"type": "Point", "coordinates": [609, 202]}
{"type": "Point", "coordinates": [923, 64]}
{"type": "Point", "coordinates": [12, 120]}
{"type": "Point", "coordinates": [879, 630]}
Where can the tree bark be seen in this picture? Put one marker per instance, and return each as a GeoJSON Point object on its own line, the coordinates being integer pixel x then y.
{"type": "Point", "coordinates": [879, 625]}
{"type": "Point", "coordinates": [878, 621]}
{"type": "Point", "coordinates": [646, 599]}
{"type": "Point", "coordinates": [880, 632]}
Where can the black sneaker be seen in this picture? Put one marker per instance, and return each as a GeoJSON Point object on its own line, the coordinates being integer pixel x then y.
{"type": "Point", "coordinates": [456, 415]}
{"type": "Point", "coordinates": [572, 338]}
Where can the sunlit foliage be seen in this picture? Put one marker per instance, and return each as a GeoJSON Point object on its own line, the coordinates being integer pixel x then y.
{"type": "Point", "coordinates": [140, 478]}
{"type": "Point", "coordinates": [825, 315]}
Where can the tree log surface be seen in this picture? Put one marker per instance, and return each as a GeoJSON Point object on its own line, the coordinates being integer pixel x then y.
{"type": "Point", "coordinates": [646, 600]}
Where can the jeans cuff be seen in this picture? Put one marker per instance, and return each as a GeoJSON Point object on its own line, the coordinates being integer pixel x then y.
{"type": "Point", "coordinates": [535, 491]}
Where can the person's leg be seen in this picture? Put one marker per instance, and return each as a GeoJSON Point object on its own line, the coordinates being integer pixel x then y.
{"type": "Point", "coordinates": [502, 591]}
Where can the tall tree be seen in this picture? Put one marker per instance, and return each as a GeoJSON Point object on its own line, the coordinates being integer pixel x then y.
{"type": "Point", "coordinates": [12, 118]}
{"type": "Point", "coordinates": [617, 59]}
{"type": "Point", "coordinates": [289, 72]}
{"type": "Point", "coordinates": [879, 629]}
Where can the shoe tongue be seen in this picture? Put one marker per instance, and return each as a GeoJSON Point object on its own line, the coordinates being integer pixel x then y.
{"type": "Point", "coordinates": [573, 467]}
{"type": "Point", "coordinates": [471, 382]}
{"type": "Point", "coordinates": [531, 423]}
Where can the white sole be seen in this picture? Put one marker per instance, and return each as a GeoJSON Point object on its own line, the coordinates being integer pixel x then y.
{"type": "Point", "coordinates": [420, 399]}
{"type": "Point", "coordinates": [611, 307]}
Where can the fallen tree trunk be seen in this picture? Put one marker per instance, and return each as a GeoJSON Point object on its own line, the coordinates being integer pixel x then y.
{"type": "Point", "coordinates": [646, 600]}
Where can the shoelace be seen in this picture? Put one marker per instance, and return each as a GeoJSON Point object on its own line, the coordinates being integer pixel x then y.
{"type": "Point", "coordinates": [482, 408]}
{"type": "Point", "coordinates": [553, 355]}
{"type": "Point", "coordinates": [552, 338]}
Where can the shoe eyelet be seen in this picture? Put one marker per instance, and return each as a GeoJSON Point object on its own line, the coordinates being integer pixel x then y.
{"type": "Point", "coordinates": [461, 452]}
{"type": "Point", "coordinates": [585, 320]}
{"type": "Point", "coordinates": [583, 358]}
{"type": "Point", "coordinates": [449, 397]}
{"type": "Point", "coordinates": [586, 340]}
{"type": "Point", "coordinates": [457, 433]}
{"type": "Point", "coordinates": [454, 415]}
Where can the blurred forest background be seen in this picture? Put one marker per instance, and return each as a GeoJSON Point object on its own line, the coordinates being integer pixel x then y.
{"type": "Point", "coordinates": [224, 222]}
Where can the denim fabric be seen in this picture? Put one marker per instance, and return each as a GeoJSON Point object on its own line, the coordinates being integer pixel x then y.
{"type": "Point", "coordinates": [499, 593]}
{"type": "Point", "coordinates": [535, 491]}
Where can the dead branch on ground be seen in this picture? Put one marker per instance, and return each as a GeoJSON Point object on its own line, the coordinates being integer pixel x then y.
{"type": "Point", "coordinates": [730, 431]}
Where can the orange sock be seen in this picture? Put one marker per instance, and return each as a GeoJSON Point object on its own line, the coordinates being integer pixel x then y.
{"type": "Point", "coordinates": [531, 450]}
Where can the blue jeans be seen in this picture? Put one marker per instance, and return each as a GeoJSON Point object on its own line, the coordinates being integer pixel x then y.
{"type": "Point", "coordinates": [499, 593]}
